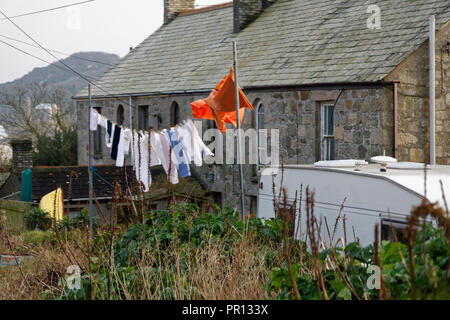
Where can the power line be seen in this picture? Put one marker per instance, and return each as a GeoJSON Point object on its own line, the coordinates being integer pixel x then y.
{"type": "Point", "coordinates": [36, 57]}
{"type": "Point", "coordinates": [66, 65]}
{"type": "Point", "coordinates": [46, 10]}
{"type": "Point", "coordinates": [56, 51]}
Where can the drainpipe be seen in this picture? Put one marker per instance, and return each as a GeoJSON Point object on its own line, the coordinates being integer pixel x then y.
{"type": "Point", "coordinates": [432, 90]}
{"type": "Point", "coordinates": [395, 121]}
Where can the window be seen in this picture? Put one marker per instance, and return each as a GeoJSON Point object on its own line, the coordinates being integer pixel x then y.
{"type": "Point", "coordinates": [261, 147]}
{"type": "Point", "coordinates": [120, 115]}
{"type": "Point", "coordinates": [98, 139]}
{"type": "Point", "coordinates": [143, 118]}
{"type": "Point", "coordinates": [391, 227]}
{"type": "Point", "coordinates": [174, 114]}
{"type": "Point", "coordinates": [327, 131]}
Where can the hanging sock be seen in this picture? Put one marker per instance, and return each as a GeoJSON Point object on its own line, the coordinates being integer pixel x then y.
{"type": "Point", "coordinates": [177, 149]}
{"type": "Point", "coordinates": [220, 105]}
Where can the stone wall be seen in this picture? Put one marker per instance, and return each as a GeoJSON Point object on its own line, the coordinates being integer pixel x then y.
{"type": "Point", "coordinates": [413, 102]}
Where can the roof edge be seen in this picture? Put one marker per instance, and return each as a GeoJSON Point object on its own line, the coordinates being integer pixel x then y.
{"type": "Point", "coordinates": [335, 85]}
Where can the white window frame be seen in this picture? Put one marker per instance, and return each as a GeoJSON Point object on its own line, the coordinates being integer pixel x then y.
{"type": "Point", "coordinates": [326, 139]}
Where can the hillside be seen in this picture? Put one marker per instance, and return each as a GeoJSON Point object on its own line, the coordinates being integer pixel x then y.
{"type": "Point", "coordinates": [57, 74]}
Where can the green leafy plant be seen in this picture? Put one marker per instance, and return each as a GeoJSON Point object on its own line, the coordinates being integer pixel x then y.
{"type": "Point", "coordinates": [38, 219]}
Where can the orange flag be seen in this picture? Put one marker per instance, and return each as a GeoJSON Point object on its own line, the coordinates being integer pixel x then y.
{"type": "Point", "coordinates": [220, 106]}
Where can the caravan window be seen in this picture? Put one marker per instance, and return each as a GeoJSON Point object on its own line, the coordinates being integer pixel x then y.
{"type": "Point", "coordinates": [389, 227]}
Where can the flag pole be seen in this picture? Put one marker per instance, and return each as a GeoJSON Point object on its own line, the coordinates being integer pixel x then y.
{"type": "Point", "coordinates": [91, 169]}
{"type": "Point", "coordinates": [239, 155]}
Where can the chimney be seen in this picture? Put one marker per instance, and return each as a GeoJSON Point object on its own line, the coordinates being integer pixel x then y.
{"type": "Point", "coordinates": [22, 155]}
{"type": "Point", "coordinates": [246, 11]}
{"type": "Point", "coordinates": [173, 7]}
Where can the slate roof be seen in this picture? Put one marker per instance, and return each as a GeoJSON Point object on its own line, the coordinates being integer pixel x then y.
{"type": "Point", "coordinates": [47, 179]}
{"type": "Point", "coordinates": [292, 42]}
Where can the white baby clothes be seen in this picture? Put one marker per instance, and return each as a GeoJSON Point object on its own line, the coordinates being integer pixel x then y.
{"type": "Point", "coordinates": [163, 148]}
{"type": "Point", "coordinates": [192, 143]}
{"type": "Point", "coordinates": [141, 157]}
{"type": "Point", "coordinates": [94, 120]}
{"type": "Point", "coordinates": [102, 121]}
{"type": "Point", "coordinates": [140, 165]}
{"type": "Point", "coordinates": [124, 146]}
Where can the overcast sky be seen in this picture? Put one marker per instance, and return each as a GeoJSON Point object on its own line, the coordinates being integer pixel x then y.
{"type": "Point", "coordinates": [102, 25]}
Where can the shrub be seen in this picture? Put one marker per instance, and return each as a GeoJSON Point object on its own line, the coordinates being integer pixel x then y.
{"type": "Point", "coordinates": [38, 219]}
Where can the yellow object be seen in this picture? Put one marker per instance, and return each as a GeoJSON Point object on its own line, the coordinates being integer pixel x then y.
{"type": "Point", "coordinates": [53, 203]}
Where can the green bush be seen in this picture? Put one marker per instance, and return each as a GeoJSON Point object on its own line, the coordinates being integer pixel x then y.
{"type": "Point", "coordinates": [38, 219]}
{"type": "Point", "coordinates": [184, 227]}
{"type": "Point", "coordinates": [432, 283]}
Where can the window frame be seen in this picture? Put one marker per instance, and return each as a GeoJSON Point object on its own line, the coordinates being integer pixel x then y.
{"type": "Point", "coordinates": [174, 114]}
{"type": "Point", "coordinates": [120, 114]}
{"type": "Point", "coordinates": [259, 126]}
{"type": "Point", "coordinates": [327, 140]}
{"type": "Point", "coordinates": [143, 117]}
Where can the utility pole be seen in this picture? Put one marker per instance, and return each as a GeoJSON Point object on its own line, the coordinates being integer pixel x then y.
{"type": "Point", "coordinates": [91, 169]}
{"type": "Point", "coordinates": [239, 155]}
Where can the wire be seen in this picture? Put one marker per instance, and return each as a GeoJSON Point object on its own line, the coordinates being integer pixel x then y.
{"type": "Point", "coordinates": [60, 52]}
{"type": "Point", "coordinates": [36, 57]}
{"type": "Point", "coordinates": [46, 10]}
{"type": "Point", "coordinates": [66, 65]}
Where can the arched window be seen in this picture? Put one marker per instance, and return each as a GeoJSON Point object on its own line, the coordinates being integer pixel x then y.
{"type": "Point", "coordinates": [262, 145]}
{"type": "Point", "coordinates": [259, 116]}
{"type": "Point", "coordinates": [174, 114]}
{"type": "Point", "coordinates": [120, 114]}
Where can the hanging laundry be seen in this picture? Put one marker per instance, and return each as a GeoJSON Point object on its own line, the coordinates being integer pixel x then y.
{"type": "Point", "coordinates": [123, 147]}
{"type": "Point", "coordinates": [220, 104]}
{"type": "Point", "coordinates": [193, 145]}
{"type": "Point", "coordinates": [115, 142]}
{"type": "Point", "coordinates": [94, 120]}
{"type": "Point", "coordinates": [141, 153]}
{"type": "Point", "coordinates": [109, 133]}
{"type": "Point", "coordinates": [168, 159]}
{"type": "Point", "coordinates": [102, 121]}
{"type": "Point", "coordinates": [177, 149]}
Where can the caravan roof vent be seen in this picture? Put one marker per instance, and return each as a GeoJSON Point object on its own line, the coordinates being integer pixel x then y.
{"type": "Point", "coordinates": [340, 163]}
{"type": "Point", "coordinates": [383, 159]}
{"type": "Point", "coordinates": [406, 165]}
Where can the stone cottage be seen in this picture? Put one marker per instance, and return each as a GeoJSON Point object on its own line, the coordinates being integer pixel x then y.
{"type": "Point", "coordinates": [339, 79]}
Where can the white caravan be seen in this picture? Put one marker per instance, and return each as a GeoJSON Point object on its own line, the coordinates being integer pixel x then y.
{"type": "Point", "coordinates": [371, 195]}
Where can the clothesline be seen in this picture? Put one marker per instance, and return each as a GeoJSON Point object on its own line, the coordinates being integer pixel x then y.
{"type": "Point", "coordinates": [172, 148]}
